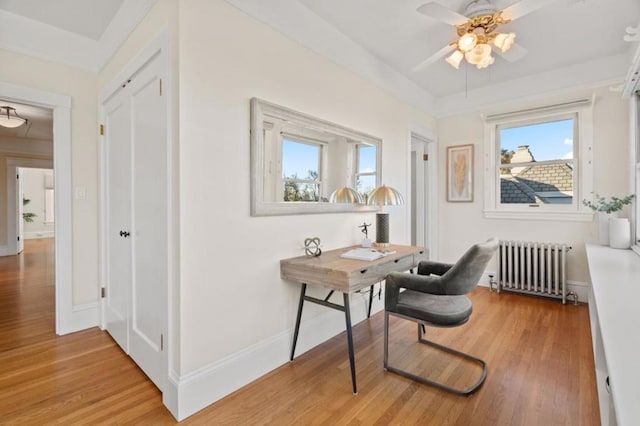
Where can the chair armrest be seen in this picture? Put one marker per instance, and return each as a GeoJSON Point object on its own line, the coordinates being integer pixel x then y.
{"type": "Point", "coordinates": [428, 267]}
{"type": "Point", "coordinates": [397, 280]}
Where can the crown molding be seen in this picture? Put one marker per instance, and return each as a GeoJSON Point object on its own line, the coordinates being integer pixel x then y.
{"type": "Point", "coordinates": [302, 25]}
{"type": "Point", "coordinates": [33, 38]}
{"type": "Point", "coordinates": [590, 74]}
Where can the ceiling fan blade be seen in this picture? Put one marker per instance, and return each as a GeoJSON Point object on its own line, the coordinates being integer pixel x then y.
{"type": "Point", "coordinates": [438, 11]}
{"type": "Point", "coordinates": [433, 58]}
{"type": "Point", "coordinates": [524, 7]}
{"type": "Point", "coordinates": [515, 53]}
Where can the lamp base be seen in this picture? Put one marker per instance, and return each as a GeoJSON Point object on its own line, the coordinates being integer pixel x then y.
{"type": "Point", "coordinates": [382, 229]}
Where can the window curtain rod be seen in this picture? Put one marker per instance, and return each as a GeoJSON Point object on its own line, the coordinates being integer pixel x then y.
{"type": "Point", "coordinates": [565, 106]}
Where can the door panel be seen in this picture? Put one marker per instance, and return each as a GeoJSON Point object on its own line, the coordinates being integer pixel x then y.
{"type": "Point", "coordinates": [118, 214]}
{"type": "Point", "coordinates": [149, 222]}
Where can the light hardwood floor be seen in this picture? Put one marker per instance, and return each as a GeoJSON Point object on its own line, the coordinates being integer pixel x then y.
{"type": "Point", "coordinates": [539, 355]}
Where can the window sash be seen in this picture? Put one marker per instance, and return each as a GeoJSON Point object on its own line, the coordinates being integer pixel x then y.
{"type": "Point", "coordinates": [582, 113]}
{"type": "Point", "coordinates": [574, 205]}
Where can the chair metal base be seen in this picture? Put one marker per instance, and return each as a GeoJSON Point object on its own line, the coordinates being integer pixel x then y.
{"type": "Point", "coordinates": [464, 392]}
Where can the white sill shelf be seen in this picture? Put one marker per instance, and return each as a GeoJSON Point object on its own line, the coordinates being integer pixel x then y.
{"type": "Point", "coordinates": [539, 215]}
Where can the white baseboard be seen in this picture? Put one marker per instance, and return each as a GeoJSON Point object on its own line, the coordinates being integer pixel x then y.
{"type": "Point", "coordinates": [37, 234]}
{"type": "Point", "coordinates": [579, 287]}
{"type": "Point", "coordinates": [191, 392]}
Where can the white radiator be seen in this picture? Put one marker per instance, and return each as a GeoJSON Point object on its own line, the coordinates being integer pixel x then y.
{"type": "Point", "coordinates": [534, 268]}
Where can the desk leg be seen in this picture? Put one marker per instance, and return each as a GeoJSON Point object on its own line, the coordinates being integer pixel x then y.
{"type": "Point", "coordinates": [352, 360]}
{"type": "Point", "coordinates": [295, 333]}
{"type": "Point", "coordinates": [370, 301]}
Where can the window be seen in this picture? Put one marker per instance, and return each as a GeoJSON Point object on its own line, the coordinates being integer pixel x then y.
{"type": "Point", "coordinates": [366, 173]}
{"type": "Point", "coordinates": [539, 162]}
{"type": "Point", "coordinates": [301, 165]}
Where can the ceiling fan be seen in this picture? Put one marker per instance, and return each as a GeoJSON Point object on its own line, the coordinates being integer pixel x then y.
{"type": "Point", "coordinates": [477, 32]}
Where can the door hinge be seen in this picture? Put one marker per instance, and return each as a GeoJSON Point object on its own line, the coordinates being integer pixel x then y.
{"type": "Point", "coordinates": [161, 342]}
{"type": "Point", "coordinates": [425, 157]}
{"type": "Point", "coordinates": [18, 238]}
{"type": "Point", "coordinates": [17, 176]}
{"type": "Point", "coordinates": [160, 87]}
{"type": "Point", "coordinates": [102, 129]}
{"type": "Point", "coordinates": [103, 292]}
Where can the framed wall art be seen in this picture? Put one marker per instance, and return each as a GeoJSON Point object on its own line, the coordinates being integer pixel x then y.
{"type": "Point", "coordinates": [460, 173]}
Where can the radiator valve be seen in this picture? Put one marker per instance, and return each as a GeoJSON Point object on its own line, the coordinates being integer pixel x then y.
{"type": "Point", "coordinates": [492, 282]}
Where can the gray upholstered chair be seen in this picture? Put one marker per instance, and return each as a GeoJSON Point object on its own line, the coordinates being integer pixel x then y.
{"type": "Point", "coordinates": [435, 296]}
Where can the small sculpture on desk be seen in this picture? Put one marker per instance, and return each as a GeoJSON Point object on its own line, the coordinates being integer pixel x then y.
{"type": "Point", "coordinates": [312, 247]}
{"type": "Point", "coordinates": [366, 242]}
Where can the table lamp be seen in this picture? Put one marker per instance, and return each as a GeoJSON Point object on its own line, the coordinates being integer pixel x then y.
{"type": "Point", "coordinates": [384, 196]}
{"type": "Point", "coordinates": [345, 195]}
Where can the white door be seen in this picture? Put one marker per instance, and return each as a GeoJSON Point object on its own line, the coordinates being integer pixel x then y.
{"type": "Point", "coordinates": [118, 217]}
{"type": "Point", "coordinates": [419, 191]}
{"type": "Point", "coordinates": [149, 197]}
{"type": "Point", "coordinates": [20, 246]}
{"type": "Point", "coordinates": [136, 196]}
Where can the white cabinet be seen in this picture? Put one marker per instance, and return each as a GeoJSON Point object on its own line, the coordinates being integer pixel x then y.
{"type": "Point", "coordinates": [613, 300]}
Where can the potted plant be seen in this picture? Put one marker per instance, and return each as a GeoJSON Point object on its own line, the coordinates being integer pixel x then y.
{"type": "Point", "coordinates": [607, 210]}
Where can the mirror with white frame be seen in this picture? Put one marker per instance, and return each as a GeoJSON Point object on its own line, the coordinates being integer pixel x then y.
{"type": "Point", "coordinates": [297, 161]}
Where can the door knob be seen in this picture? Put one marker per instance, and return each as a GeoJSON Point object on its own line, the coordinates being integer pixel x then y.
{"type": "Point", "coordinates": [124, 234]}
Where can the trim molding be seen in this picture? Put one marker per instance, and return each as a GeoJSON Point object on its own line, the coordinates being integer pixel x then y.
{"type": "Point", "coordinates": [189, 393]}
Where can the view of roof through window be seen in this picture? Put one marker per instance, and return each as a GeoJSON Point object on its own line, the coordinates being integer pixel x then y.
{"type": "Point", "coordinates": [537, 163]}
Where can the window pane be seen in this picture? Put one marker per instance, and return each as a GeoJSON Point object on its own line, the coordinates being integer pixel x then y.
{"type": "Point", "coordinates": [300, 171]}
{"type": "Point", "coordinates": [301, 191]}
{"type": "Point", "coordinates": [300, 160]}
{"type": "Point", "coordinates": [366, 159]}
{"type": "Point", "coordinates": [548, 183]}
{"type": "Point", "coordinates": [365, 184]}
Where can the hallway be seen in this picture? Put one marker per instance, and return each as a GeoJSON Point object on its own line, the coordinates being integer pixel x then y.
{"type": "Point", "coordinates": [80, 378]}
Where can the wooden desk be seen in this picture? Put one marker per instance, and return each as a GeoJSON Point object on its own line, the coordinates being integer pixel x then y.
{"type": "Point", "coordinates": [346, 276]}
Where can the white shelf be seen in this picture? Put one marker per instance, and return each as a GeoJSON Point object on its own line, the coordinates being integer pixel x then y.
{"type": "Point", "coordinates": [615, 286]}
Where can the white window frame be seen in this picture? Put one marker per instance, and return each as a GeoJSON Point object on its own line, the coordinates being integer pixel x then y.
{"type": "Point", "coordinates": [582, 112]}
{"type": "Point", "coordinates": [356, 166]}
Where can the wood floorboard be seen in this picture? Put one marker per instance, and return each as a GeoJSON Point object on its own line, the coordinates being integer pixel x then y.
{"type": "Point", "coordinates": [538, 351]}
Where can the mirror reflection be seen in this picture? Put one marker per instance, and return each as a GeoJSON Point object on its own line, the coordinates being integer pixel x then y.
{"type": "Point", "coordinates": [299, 160]}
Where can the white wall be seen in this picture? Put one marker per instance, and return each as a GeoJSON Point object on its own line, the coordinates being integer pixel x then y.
{"type": "Point", "coordinates": [33, 189]}
{"type": "Point", "coordinates": [462, 224]}
{"type": "Point", "coordinates": [231, 295]}
{"type": "Point", "coordinates": [80, 85]}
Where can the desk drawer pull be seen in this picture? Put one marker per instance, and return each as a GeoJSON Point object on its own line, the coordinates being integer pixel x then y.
{"type": "Point", "coordinates": [363, 271]}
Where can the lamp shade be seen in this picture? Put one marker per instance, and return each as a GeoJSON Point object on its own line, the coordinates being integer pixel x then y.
{"type": "Point", "coordinates": [478, 54]}
{"type": "Point", "coordinates": [9, 118]}
{"type": "Point", "coordinates": [345, 195]}
{"type": "Point", "coordinates": [467, 42]}
{"type": "Point", "coordinates": [504, 41]}
{"type": "Point", "coordinates": [385, 196]}
{"type": "Point", "coordinates": [455, 58]}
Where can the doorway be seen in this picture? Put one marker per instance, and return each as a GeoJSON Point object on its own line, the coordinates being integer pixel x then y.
{"type": "Point", "coordinates": [67, 319]}
{"type": "Point", "coordinates": [423, 208]}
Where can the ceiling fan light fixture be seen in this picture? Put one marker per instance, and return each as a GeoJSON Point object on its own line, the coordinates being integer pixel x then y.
{"type": "Point", "coordinates": [467, 42]}
{"type": "Point", "coordinates": [504, 41]}
{"type": "Point", "coordinates": [486, 62]}
{"type": "Point", "coordinates": [455, 58]}
{"type": "Point", "coordinates": [9, 118]}
{"type": "Point", "coordinates": [478, 54]}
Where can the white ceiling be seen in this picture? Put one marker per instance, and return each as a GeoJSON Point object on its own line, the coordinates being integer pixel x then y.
{"type": "Point", "coordinates": [583, 38]}
{"type": "Point", "coordinates": [570, 43]}
{"type": "Point", "coordinates": [39, 125]}
{"type": "Point", "coordinates": [88, 18]}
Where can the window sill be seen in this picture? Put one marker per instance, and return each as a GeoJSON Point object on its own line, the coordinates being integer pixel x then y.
{"type": "Point", "coordinates": [538, 215]}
